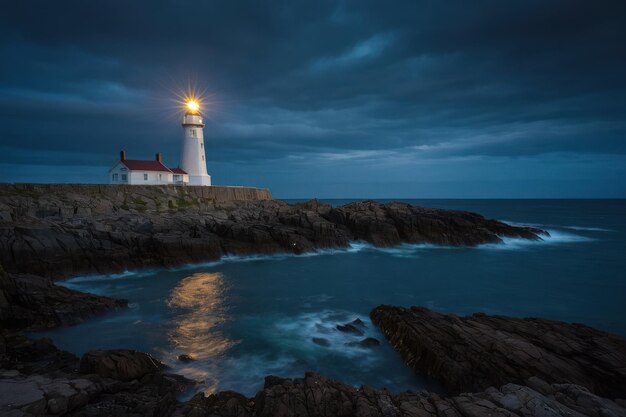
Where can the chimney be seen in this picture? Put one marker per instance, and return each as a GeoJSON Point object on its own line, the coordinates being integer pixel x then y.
{"type": "Point", "coordinates": [122, 155]}
{"type": "Point", "coordinates": [159, 157]}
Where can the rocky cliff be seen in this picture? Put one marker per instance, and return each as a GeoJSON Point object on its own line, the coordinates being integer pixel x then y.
{"type": "Point", "coordinates": [63, 230]}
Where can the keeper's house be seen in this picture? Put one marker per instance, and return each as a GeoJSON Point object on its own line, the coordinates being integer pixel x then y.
{"type": "Point", "coordinates": [140, 172]}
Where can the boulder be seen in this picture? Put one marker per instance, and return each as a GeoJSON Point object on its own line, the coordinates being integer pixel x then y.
{"type": "Point", "coordinates": [185, 358]}
{"type": "Point", "coordinates": [120, 364]}
{"type": "Point", "coordinates": [350, 328]}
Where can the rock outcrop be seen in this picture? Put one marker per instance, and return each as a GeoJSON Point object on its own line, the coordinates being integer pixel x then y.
{"type": "Point", "coordinates": [315, 395]}
{"type": "Point", "coordinates": [472, 353]}
{"type": "Point", "coordinates": [37, 379]}
{"type": "Point", "coordinates": [61, 230]}
{"type": "Point", "coordinates": [122, 364]}
{"type": "Point", "coordinates": [34, 302]}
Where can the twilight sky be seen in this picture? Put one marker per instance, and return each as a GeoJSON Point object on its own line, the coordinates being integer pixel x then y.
{"type": "Point", "coordinates": [349, 99]}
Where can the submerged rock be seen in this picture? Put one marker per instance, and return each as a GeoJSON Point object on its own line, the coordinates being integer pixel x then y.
{"type": "Point", "coordinates": [321, 341]}
{"type": "Point", "coordinates": [349, 328]}
{"type": "Point", "coordinates": [358, 323]}
{"type": "Point", "coordinates": [368, 342]}
{"type": "Point", "coordinates": [472, 353]}
{"type": "Point", "coordinates": [186, 358]}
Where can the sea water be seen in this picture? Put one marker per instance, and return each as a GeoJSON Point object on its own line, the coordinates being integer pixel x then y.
{"type": "Point", "coordinates": [243, 318]}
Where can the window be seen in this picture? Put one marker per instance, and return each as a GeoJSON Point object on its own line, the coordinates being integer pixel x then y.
{"type": "Point", "coordinates": [193, 132]}
{"type": "Point", "coordinates": [115, 177]}
{"type": "Point", "coordinates": [203, 157]}
{"type": "Point", "coordinates": [160, 177]}
{"type": "Point", "coordinates": [123, 177]}
{"type": "Point", "coordinates": [201, 145]}
{"type": "Point", "coordinates": [145, 177]}
{"type": "Point", "coordinates": [123, 169]}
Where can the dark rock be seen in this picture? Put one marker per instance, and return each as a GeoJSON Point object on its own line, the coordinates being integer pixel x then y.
{"type": "Point", "coordinates": [321, 341]}
{"type": "Point", "coordinates": [63, 230]}
{"type": "Point", "coordinates": [121, 364]}
{"type": "Point", "coordinates": [316, 395]}
{"type": "Point", "coordinates": [65, 391]}
{"type": "Point", "coordinates": [349, 328]}
{"type": "Point", "coordinates": [358, 323]}
{"type": "Point", "coordinates": [185, 358]}
{"type": "Point", "coordinates": [368, 342]}
{"type": "Point", "coordinates": [475, 352]}
{"type": "Point", "coordinates": [35, 302]}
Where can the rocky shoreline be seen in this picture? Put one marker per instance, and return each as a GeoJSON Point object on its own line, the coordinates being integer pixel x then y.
{"type": "Point", "coordinates": [63, 232]}
{"type": "Point", "coordinates": [38, 379]}
{"type": "Point", "coordinates": [512, 367]}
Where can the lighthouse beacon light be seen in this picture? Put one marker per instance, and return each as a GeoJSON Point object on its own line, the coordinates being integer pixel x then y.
{"type": "Point", "coordinates": [192, 159]}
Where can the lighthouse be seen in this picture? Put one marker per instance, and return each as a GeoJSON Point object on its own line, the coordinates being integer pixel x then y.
{"type": "Point", "coordinates": [192, 157]}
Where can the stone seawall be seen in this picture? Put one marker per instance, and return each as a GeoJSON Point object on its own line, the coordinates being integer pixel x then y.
{"type": "Point", "coordinates": [210, 194]}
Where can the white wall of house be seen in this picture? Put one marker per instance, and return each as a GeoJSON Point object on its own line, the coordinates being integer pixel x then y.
{"type": "Point", "coordinates": [150, 177]}
{"type": "Point", "coordinates": [119, 174]}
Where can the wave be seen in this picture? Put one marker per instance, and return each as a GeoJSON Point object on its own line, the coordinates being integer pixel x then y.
{"type": "Point", "coordinates": [558, 226]}
{"type": "Point", "coordinates": [587, 229]}
{"type": "Point", "coordinates": [81, 282]}
{"type": "Point", "coordinates": [556, 237]}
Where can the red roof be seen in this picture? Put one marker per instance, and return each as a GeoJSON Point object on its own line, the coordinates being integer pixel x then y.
{"type": "Point", "coordinates": [138, 165]}
{"type": "Point", "coordinates": [178, 171]}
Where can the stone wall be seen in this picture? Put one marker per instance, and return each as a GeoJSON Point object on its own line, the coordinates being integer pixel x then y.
{"type": "Point", "coordinates": [213, 193]}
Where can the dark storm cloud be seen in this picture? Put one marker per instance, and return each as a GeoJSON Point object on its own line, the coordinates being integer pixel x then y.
{"type": "Point", "coordinates": [319, 80]}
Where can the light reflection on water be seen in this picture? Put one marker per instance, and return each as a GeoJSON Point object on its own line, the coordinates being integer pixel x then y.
{"type": "Point", "coordinates": [199, 308]}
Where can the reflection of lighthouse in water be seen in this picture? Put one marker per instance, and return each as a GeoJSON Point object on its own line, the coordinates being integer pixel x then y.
{"type": "Point", "coordinates": [192, 158]}
{"type": "Point", "coordinates": [199, 300]}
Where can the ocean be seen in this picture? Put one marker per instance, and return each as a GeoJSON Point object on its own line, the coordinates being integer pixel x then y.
{"type": "Point", "coordinates": [243, 318]}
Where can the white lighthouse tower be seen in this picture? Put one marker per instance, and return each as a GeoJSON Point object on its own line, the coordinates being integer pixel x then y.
{"type": "Point", "coordinates": [192, 158]}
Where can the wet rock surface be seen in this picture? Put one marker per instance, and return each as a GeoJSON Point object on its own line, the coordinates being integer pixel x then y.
{"type": "Point", "coordinates": [122, 364]}
{"type": "Point", "coordinates": [59, 231]}
{"type": "Point", "coordinates": [472, 353]}
{"type": "Point", "coordinates": [315, 395]}
{"type": "Point", "coordinates": [38, 379]}
{"type": "Point", "coordinates": [35, 302]}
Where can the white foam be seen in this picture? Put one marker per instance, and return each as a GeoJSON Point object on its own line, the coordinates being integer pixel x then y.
{"type": "Point", "coordinates": [556, 237]}
{"type": "Point", "coordinates": [588, 229]}
{"type": "Point", "coordinates": [298, 333]}
{"type": "Point", "coordinates": [110, 277]}
{"type": "Point", "coordinates": [558, 226]}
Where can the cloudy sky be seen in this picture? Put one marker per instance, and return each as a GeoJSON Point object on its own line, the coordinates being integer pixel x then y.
{"type": "Point", "coordinates": [323, 99]}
